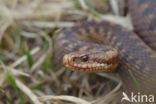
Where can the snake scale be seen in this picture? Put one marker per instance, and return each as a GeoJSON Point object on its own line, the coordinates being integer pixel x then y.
{"type": "Point", "coordinates": [104, 47]}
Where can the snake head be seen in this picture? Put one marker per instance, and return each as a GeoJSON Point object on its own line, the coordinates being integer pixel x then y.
{"type": "Point", "coordinates": [92, 61]}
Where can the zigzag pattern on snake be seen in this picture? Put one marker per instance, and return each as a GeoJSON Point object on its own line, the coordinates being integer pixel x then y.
{"type": "Point", "coordinates": [82, 45]}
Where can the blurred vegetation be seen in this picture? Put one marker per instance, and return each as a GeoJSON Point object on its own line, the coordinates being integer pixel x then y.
{"type": "Point", "coordinates": [27, 70]}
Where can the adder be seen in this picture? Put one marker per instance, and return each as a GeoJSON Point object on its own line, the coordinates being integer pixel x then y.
{"type": "Point", "coordinates": [107, 47]}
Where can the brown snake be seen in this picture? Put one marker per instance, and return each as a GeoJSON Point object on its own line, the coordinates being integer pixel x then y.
{"type": "Point", "coordinates": [105, 47]}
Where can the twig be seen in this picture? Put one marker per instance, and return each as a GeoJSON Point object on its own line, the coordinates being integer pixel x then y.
{"type": "Point", "coordinates": [65, 98]}
{"type": "Point", "coordinates": [28, 92]}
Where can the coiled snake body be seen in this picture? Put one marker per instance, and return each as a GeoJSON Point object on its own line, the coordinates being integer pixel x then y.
{"type": "Point", "coordinates": [105, 46]}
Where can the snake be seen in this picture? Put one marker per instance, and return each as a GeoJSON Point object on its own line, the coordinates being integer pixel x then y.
{"type": "Point", "coordinates": [103, 46]}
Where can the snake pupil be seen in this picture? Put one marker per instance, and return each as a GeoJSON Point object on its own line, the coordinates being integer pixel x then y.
{"type": "Point", "coordinates": [84, 58]}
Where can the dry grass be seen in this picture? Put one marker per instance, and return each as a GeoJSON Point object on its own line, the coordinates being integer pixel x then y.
{"type": "Point", "coordinates": [28, 73]}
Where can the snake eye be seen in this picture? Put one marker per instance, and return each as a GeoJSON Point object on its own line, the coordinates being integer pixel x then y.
{"type": "Point", "coordinates": [84, 58]}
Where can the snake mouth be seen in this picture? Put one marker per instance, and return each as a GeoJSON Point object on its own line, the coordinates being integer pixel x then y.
{"type": "Point", "coordinates": [92, 61]}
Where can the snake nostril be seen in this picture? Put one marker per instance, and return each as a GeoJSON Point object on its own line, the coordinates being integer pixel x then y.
{"type": "Point", "coordinates": [73, 59]}
{"type": "Point", "coordinates": [84, 58]}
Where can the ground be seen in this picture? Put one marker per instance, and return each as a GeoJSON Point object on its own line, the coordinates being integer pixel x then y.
{"type": "Point", "coordinates": [28, 73]}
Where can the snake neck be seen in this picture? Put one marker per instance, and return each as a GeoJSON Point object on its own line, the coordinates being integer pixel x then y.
{"type": "Point", "coordinates": [135, 55]}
